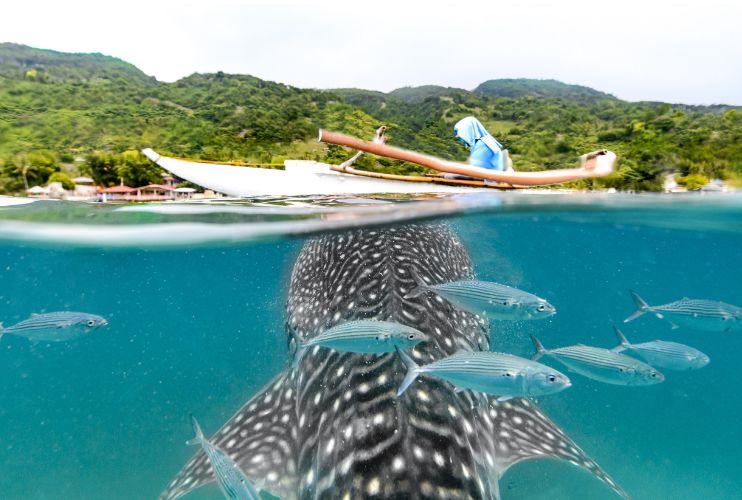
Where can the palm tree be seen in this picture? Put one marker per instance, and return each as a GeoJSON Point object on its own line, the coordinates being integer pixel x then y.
{"type": "Point", "coordinates": [21, 164]}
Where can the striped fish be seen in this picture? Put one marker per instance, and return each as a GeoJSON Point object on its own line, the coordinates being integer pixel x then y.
{"type": "Point", "coordinates": [662, 354]}
{"type": "Point", "coordinates": [694, 314]}
{"type": "Point", "coordinates": [365, 336]}
{"type": "Point", "coordinates": [55, 326]}
{"type": "Point", "coordinates": [603, 365]}
{"type": "Point", "coordinates": [488, 299]}
{"type": "Point", "coordinates": [231, 480]}
{"type": "Point", "coordinates": [334, 427]}
{"type": "Point", "coordinates": [495, 373]}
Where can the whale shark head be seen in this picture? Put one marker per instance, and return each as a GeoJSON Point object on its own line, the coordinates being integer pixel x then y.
{"type": "Point", "coordinates": [334, 428]}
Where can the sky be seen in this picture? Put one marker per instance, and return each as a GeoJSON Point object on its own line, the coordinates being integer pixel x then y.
{"type": "Point", "coordinates": [672, 51]}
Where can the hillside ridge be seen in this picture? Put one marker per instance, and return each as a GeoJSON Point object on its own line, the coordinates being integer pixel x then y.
{"type": "Point", "coordinates": [55, 107]}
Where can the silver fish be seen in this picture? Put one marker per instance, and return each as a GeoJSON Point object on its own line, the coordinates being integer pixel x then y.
{"type": "Point", "coordinates": [663, 354]}
{"type": "Point", "coordinates": [494, 373]}
{"type": "Point", "coordinates": [334, 427]}
{"type": "Point", "coordinates": [694, 314]}
{"type": "Point", "coordinates": [603, 365]}
{"type": "Point", "coordinates": [55, 326]}
{"type": "Point", "coordinates": [365, 336]}
{"type": "Point", "coordinates": [231, 480]}
{"type": "Point", "coordinates": [488, 299]}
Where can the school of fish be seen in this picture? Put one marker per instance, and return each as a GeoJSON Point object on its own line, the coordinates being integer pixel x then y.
{"type": "Point", "coordinates": [484, 374]}
{"type": "Point", "coordinates": [477, 371]}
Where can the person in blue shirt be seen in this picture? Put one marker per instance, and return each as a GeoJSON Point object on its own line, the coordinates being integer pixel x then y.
{"type": "Point", "coordinates": [486, 151]}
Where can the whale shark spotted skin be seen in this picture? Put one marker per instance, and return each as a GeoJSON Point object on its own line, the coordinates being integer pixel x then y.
{"type": "Point", "coordinates": [334, 428]}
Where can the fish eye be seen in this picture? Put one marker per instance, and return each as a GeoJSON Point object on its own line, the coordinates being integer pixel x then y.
{"type": "Point", "coordinates": [541, 307]}
{"type": "Point", "coordinates": [552, 378]}
{"type": "Point", "coordinates": [411, 336]}
{"type": "Point", "coordinates": [91, 323]}
{"type": "Point", "coordinates": [654, 374]}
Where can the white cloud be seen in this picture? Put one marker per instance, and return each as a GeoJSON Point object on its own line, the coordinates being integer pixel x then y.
{"type": "Point", "coordinates": [672, 51]}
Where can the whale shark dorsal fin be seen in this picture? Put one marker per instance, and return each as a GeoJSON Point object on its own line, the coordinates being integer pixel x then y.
{"type": "Point", "coordinates": [276, 473]}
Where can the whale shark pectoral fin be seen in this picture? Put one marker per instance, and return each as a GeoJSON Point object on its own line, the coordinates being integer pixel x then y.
{"type": "Point", "coordinates": [265, 425]}
{"type": "Point", "coordinates": [537, 437]}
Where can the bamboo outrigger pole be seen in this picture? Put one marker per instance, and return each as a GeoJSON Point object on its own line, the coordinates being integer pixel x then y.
{"type": "Point", "coordinates": [596, 164]}
{"type": "Point", "coordinates": [347, 168]}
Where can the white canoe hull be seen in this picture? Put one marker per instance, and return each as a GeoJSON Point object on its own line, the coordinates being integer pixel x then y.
{"type": "Point", "coordinates": [300, 178]}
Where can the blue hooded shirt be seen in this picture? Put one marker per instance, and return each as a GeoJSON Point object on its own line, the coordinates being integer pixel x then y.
{"type": "Point", "coordinates": [486, 151]}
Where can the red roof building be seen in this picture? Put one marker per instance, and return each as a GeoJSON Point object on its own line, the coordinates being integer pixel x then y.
{"type": "Point", "coordinates": [119, 190]}
{"type": "Point", "coordinates": [155, 188]}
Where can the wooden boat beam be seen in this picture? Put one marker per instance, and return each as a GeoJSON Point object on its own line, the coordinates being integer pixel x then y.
{"type": "Point", "coordinates": [347, 168]}
{"type": "Point", "coordinates": [595, 164]}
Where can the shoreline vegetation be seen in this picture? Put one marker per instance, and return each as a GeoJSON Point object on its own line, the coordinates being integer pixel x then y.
{"type": "Point", "coordinates": [64, 115]}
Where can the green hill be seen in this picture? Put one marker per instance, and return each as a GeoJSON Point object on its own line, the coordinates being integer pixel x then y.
{"type": "Point", "coordinates": [419, 94]}
{"type": "Point", "coordinates": [23, 62]}
{"type": "Point", "coordinates": [97, 108]}
{"type": "Point", "coordinates": [525, 87]}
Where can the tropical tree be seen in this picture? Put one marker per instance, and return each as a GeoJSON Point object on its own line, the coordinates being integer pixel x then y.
{"type": "Point", "coordinates": [62, 178]}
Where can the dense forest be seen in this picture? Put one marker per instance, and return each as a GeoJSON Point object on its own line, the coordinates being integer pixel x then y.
{"type": "Point", "coordinates": [63, 114]}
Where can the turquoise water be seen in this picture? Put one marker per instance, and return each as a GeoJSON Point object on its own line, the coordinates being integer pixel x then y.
{"type": "Point", "coordinates": [196, 325]}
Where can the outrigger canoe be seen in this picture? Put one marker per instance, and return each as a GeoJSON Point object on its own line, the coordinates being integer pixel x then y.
{"type": "Point", "coordinates": [304, 178]}
{"type": "Point", "coordinates": [298, 178]}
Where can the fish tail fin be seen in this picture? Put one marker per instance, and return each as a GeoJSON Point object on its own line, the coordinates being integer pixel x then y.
{"type": "Point", "coordinates": [199, 435]}
{"type": "Point", "coordinates": [621, 338]}
{"type": "Point", "coordinates": [540, 350]}
{"type": "Point", "coordinates": [301, 349]}
{"type": "Point", "coordinates": [259, 484]}
{"type": "Point", "coordinates": [641, 306]}
{"type": "Point", "coordinates": [420, 289]}
{"type": "Point", "coordinates": [413, 370]}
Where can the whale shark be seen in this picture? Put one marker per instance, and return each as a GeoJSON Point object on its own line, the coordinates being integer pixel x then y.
{"type": "Point", "coordinates": [333, 427]}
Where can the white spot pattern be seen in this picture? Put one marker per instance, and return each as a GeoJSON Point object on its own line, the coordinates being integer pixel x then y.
{"type": "Point", "coordinates": [301, 414]}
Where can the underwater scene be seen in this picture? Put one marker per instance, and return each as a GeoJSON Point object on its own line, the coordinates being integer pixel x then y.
{"type": "Point", "coordinates": [515, 346]}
